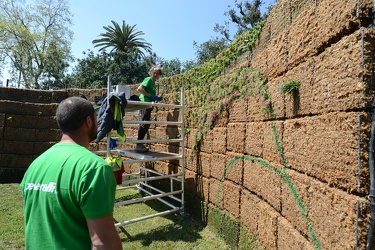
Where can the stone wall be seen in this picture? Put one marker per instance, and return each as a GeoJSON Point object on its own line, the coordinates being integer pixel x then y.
{"type": "Point", "coordinates": [28, 126]}
{"type": "Point", "coordinates": [299, 180]}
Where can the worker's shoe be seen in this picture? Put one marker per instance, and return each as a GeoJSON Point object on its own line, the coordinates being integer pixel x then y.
{"type": "Point", "coordinates": [141, 148]}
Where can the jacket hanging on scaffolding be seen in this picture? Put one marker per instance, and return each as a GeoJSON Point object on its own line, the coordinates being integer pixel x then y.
{"type": "Point", "coordinates": [110, 115]}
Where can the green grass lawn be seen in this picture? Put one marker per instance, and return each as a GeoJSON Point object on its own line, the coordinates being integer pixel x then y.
{"type": "Point", "coordinates": [167, 232]}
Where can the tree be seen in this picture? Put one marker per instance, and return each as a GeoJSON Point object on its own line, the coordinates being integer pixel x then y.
{"type": "Point", "coordinates": [209, 49]}
{"type": "Point", "coordinates": [90, 72]}
{"type": "Point", "coordinates": [93, 70]}
{"type": "Point", "coordinates": [35, 39]}
{"type": "Point", "coordinates": [244, 17]}
{"type": "Point", "coordinates": [124, 39]}
{"type": "Point", "coordinates": [127, 51]}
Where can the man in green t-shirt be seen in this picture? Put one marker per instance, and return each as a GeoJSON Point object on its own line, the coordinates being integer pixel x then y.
{"type": "Point", "coordinates": [148, 94]}
{"type": "Point", "coordinates": [68, 191]}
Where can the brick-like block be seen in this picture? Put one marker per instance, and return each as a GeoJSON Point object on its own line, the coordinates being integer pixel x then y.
{"type": "Point", "coordinates": [204, 164]}
{"type": "Point", "coordinates": [206, 143]}
{"type": "Point", "coordinates": [236, 137]}
{"type": "Point", "coordinates": [97, 146]}
{"type": "Point", "coordinates": [326, 147]}
{"type": "Point", "coordinates": [172, 132]}
{"type": "Point", "coordinates": [31, 121]}
{"type": "Point", "coordinates": [267, 229]}
{"type": "Point", "coordinates": [254, 110]}
{"type": "Point", "coordinates": [191, 186]}
{"type": "Point", "coordinates": [338, 18]}
{"type": "Point", "coordinates": [2, 119]}
{"type": "Point", "coordinates": [260, 56]}
{"type": "Point", "coordinates": [250, 211]}
{"type": "Point", "coordinates": [234, 168]}
{"type": "Point", "coordinates": [161, 132]}
{"type": "Point", "coordinates": [216, 196]}
{"type": "Point", "coordinates": [222, 119]}
{"type": "Point", "coordinates": [301, 36]}
{"type": "Point", "coordinates": [277, 99]}
{"type": "Point", "coordinates": [162, 115]}
{"type": "Point", "coordinates": [19, 162]}
{"type": "Point", "coordinates": [47, 135]}
{"type": "Point", "coordinates": [164, 132]}
{"type": "Point", "coordinates": [231, 193]}
{"type": "Point", "coordinates": [131, 168]}
{"type": "Point", "coordinates": [333, 216]}
{"type": "Point", "coordinates": [218, 164]}
{"type": "Point", "coordinates": [336, 89]}
{"type": "Point", "coordinates": [25, 108]}
{"type": "Point", "coordinates": [27, 95]}
{"type": "Point", "coordinates": [191, 140]}
{"type": "Point", "coordinates": [301, 103]}
{"type": "Point", "coordinates": [203, 188]}
{"type": "Point", "coordinates": [174, 115]}
{"type": "Point", "coordinates": [290, 238]}
{"type": "Point", "coordinates": [279, 19]}
{"type": "Point", "coordinates": [161, 167]}
{"type": "Point", "coordinates": [277, 55]}
{"type": "Point", "coordinates": [18, 147]}
{"type": "Point", "coordinates": [254, 139]}
{"type": "Point", "coordinates": [41, 147]}
{"type": "Point", "coordinates": [191, 160]}
{"type": "Point", "coordinates": [272, 132]}
{"type": "Point", "coordinates": [219, 140]}
{"type": "Point", "coordinates": [295, 199]}
{"type": "Point", "coordinates": [263, 181]}
{"type": "Point", "coordinates": [237, 111]}
{"type": "Point", "coordinates": [15, 134]}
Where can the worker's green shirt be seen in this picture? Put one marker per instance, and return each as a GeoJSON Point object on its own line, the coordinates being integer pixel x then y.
{"type": "Point", "coordinates": [61, 188]}
{"type": "Point", "coordinates": [150, 87]}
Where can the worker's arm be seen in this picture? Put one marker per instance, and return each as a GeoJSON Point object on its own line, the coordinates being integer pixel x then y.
{"type": "Point", "coordinates": [141, 89]}
{"type": "Point", "coordinates": [103, 234]}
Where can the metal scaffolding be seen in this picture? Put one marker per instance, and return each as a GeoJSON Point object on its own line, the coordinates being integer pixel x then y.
{"type": "Point", "coordinates": [143, 180]}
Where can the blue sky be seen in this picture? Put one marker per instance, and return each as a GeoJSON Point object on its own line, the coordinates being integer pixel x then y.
{"type": "Point", "coordinates": [171, 26]}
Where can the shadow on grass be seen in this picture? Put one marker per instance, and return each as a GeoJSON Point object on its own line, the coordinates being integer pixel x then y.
{"type": "Point", "coordinates": [183, 232]}
{"type": "Point", "coordinates": [167, 229]}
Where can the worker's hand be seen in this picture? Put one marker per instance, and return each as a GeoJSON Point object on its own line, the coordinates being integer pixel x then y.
{"type": "Point", "coordinates": [156, 98]}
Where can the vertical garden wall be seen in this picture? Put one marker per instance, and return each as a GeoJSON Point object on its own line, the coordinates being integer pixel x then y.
{"type": "Point", "coordinates": [293, 169]}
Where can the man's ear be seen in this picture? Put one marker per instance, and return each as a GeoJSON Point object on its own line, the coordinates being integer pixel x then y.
{"type": "Point", "coordinates": [89, 121]}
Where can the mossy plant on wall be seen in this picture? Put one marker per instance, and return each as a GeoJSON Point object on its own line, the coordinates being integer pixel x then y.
{"type": "Point", "coordinates": [290, 87]}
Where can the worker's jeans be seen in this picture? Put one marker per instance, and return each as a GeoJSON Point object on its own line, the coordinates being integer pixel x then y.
{"type": "Point", "coordinates": [143, 128]}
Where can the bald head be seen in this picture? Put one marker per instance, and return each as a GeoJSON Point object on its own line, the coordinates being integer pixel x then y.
{"type": "Point", "coordinates": [72, 113]}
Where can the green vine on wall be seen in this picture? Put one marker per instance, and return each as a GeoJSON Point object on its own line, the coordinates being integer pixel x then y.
{"type": "Point", "coordinates": [207, 73]}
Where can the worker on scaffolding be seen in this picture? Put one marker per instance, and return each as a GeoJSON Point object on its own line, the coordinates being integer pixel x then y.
{"type": "Point", "coordinates": [148, 94]}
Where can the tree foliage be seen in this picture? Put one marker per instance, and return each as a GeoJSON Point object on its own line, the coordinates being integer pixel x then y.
{"type": "Point", "coordinates": [175, 66]}
{"type": "Point", "coordinates": [35, 40]}
{"type": "Point", "coordinates": [245, 15]}
{"type": "Point", "coordinates": [209, 49]}
{"type": "Point", "coordinates": [93, 70]}
{"type": "Point", "coordinates": [126, 62]}
{"type": "Point", "coordinates": [122, 39]}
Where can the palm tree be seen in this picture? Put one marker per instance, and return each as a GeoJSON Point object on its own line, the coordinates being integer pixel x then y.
{"type": "Point", "coordinates": [123, 39]}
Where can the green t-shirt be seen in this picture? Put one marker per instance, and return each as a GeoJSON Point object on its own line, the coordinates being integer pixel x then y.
{"type": "Point", "coordinates": [61, 188]}
{"type": "Point", "coordinates": [150, 87]}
